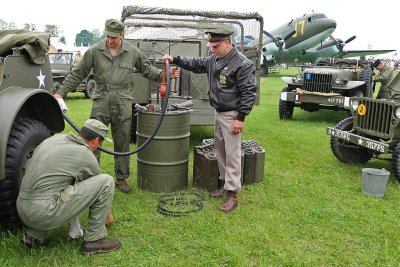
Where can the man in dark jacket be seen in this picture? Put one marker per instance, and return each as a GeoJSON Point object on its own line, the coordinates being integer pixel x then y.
{"type": "Point", "coordinates": [232, 92]}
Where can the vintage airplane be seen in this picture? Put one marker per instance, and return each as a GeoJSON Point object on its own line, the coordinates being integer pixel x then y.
{"type": "Point", "coordinates": [306, 39]}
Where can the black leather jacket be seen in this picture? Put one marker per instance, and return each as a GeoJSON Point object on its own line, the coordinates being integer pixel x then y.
{"type": "Point", "coordinates": [231, 80]}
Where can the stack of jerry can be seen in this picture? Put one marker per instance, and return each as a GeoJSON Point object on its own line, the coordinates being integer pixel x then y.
{"type": "Point", "coordinates": [205, 166]}
{"type": "Point", "coordinates": [254, 156]}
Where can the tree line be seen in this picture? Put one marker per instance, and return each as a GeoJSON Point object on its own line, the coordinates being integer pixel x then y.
{"type": "Point", "coordinates": [84, 38]}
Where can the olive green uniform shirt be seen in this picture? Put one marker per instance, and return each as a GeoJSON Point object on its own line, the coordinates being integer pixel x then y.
{"type": "Point", "coordinates": [65, 160]}
{"type": "Point", "coordinates": [110, 72]}
{"type": "Point", "coordinates": [112, 98]}
{"type": "Point", "coordinates": [384, 76]}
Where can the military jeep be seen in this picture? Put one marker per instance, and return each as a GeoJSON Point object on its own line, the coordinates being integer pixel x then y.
{"type": "Point", "coordinates": [29, 114]}
{"type": "Point", "coordinates": [373, 131]}
{"type": "Point", "coordinates": [61, 64]}
{"type": "Point", "coordinates": [159, 31]}
{"type": "Point", "coordinates": [329, 84]}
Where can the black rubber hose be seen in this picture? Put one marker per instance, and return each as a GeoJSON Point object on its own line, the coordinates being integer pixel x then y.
{"type": "Point", "coordinates": [156, 128]}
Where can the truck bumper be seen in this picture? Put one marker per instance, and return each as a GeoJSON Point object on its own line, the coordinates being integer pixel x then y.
{"type": "Point", "coordinates": [358, 140]}
{"type": "Point", "coordinates": [340, 101]}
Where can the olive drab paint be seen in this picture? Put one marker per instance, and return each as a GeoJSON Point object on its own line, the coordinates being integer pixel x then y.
{"type": "Point", "coordinates": [29, 114]}
{"type": "Point", "coordinates": [162, 166]}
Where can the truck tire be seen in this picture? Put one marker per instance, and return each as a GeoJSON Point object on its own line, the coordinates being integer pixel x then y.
{"type": "Point", "coordinates": [345, 151]}
{"type": "Point", "coordinates": [396, 161]}
{"type": "Point", "coordinates": [366, 76]}
{"type": "Point", "coordinates": [90, 86]}
{"type": "Point", "coordinates": [264, 70]}
{"type": "Point", "coordinates": [285, 108]}
{"type": "Point", "coordinates": [356, 93]}
{"type": "Point", "coordinates": [26, 134]}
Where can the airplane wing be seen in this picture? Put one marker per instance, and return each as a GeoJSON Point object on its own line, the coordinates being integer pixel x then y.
{"type": "Point", "coordinates": [360, 53]}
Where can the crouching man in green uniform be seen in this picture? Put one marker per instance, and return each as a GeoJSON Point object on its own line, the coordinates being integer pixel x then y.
{"type": "Point", "coordinates": [62, 180]}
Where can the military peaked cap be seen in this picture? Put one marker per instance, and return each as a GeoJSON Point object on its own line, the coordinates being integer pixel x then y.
{"type": "Point", "coordinates": [215, 36]}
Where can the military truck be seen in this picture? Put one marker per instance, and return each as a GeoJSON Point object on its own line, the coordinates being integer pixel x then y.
{"type": "Point", "coordinates": [159, 31]}
{"type": "Point", "coordinates": [29, 114]}
{"type": "Point", "coordinates": [372, 131]}
{"type": "Point", "coordinates": [61, 64]}
{"type": "Point", "coordinates": [329, 84]}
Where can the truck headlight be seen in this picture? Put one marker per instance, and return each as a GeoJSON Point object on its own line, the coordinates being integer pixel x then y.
{"type": "Point", "coordinates": [338, 81]}
{"type": "Point", "coordinates": [297, 79]}
{"type": "Point", "coordinates": [397, 113]}
{"type": "Point", "coordinates": [341, 81]}
{"type": "Point", "coordinates": [354, 105]}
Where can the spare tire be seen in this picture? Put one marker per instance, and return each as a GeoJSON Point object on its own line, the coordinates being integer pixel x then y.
{"type": "Point", "coordinates": [25, 135]}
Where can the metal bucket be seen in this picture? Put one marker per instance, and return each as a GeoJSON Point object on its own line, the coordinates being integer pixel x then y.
{"type": "Point", "coordinates": [162, 166]}
{"type": "Point", "coordinates": [374, 181]}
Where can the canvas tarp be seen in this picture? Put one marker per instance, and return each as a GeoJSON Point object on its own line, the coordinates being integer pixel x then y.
{"type": "Point", "coordinates": [35, 43]}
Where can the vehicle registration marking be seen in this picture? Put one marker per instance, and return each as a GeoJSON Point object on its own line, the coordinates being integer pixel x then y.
{"type": "Point", "coordinates": [375, 146]}
{"type": "Point", "coordinates": [339, 134]}
{"type": "Point", "coordinates": [336, 100]}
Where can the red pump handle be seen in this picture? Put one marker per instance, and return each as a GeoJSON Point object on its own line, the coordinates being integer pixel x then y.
{"type": "Point", "coordinates": [163, 86]}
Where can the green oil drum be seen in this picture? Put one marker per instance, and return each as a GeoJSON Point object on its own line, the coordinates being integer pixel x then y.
{"type": "Point", "coordinates": [162, 166]}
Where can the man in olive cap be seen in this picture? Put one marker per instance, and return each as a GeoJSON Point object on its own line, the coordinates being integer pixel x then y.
{"type": "Point", "coordinates": [113, 62]}
{"type": "Point", "coordinates": [384, 76]}
{"type": "Point", "coordinates": [62, 180]}
{"type": "Point", "coordinates": [232, 92]}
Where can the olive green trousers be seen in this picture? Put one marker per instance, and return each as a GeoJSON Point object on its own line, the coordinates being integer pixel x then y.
{"type": "Point", "coordinates": [44, 211]}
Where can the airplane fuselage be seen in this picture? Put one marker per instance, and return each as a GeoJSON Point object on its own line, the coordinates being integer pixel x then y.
{"type": "Point", "coordinates": [311, 31]}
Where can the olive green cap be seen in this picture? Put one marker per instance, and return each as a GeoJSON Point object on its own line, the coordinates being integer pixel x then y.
{"type": "Point", "coordinates": [113, 27]}
{"type": "Point", "coordinates": [215, 36]}
{"type": "Point", "coordinates": [97, 127]}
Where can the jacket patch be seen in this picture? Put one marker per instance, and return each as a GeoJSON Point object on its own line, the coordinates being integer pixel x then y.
{"type": "Point", "coordinates": [222, 79]}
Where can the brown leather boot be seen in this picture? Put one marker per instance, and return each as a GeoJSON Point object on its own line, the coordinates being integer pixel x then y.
{"type": "Point", "coordinates": [230, 203]}
{"type": "Point", "coordinates": [220, 193]}
{"type": "Point", "coordinates": [123, 186]}
{"type": "Point", "coordinates": [100, 246]}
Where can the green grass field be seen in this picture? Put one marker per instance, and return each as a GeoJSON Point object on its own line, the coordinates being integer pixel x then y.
{"type": "Point", "coordinates": [308, 211]}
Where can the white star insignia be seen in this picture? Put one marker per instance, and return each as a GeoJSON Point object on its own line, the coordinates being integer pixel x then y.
{"type": "Point", "coordinates": [360, 142]}
{"type": "Point", "coordinates": [41, 79]}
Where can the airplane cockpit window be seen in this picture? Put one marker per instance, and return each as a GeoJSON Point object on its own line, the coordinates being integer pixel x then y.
{"type": "Point", "coordinates": [316, 17]}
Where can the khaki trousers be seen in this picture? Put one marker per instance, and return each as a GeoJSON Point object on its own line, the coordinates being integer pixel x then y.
{"type": "Point", "coordinates": [228, 150]}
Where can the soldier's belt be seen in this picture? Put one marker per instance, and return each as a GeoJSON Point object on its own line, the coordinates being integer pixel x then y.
{"type": "Point", "coordinates": [109, 87]}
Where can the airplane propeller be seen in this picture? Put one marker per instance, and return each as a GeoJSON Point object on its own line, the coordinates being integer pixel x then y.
{"type": "Point", "coordinates": [279, 42]}
{"type": "Point", "coordinates": [340, 44]}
